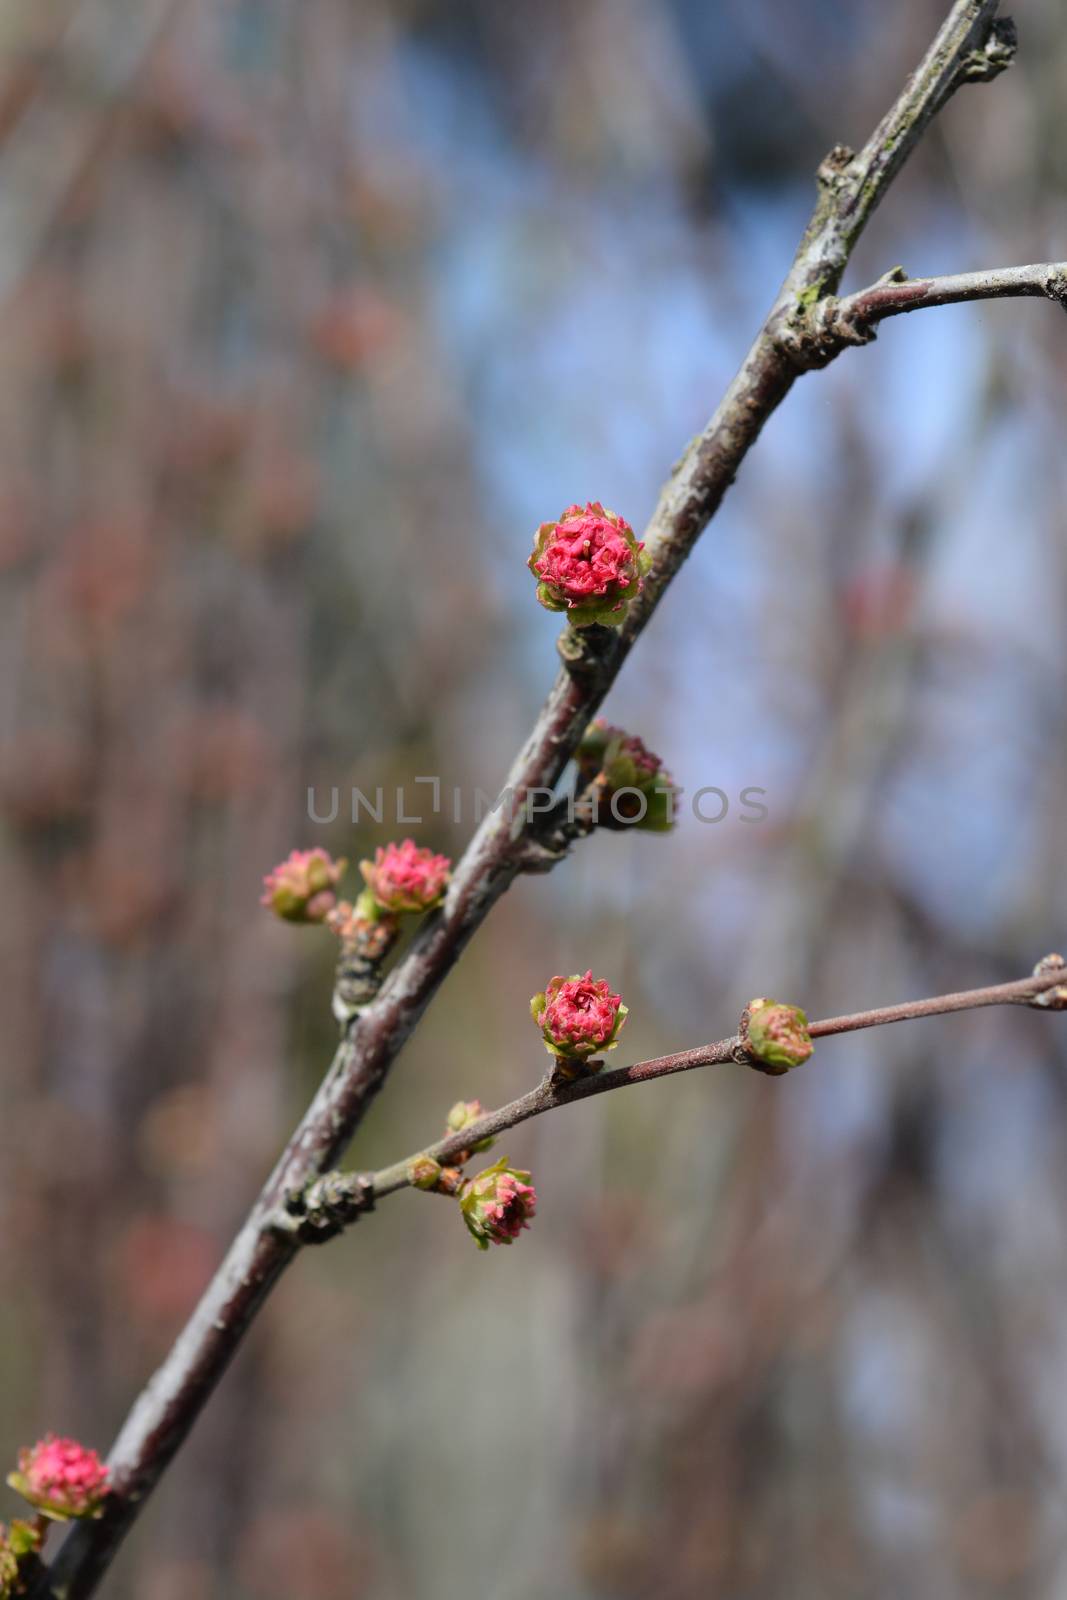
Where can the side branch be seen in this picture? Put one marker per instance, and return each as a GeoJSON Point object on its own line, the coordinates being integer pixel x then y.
{"type": "Point", "coordinates": [339, 1198]}
{"type": "Point", "coordinates": [820, 332]}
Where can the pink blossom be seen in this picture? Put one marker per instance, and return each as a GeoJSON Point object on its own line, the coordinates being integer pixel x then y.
{"type": "Point", "coordinates": [578, 1016]}
{"type": "Point", "coordinates": [302, 888]}
{"type": "Point", "coordinates": [406, 877]}
{"type": "Point", "coordinates": [497, 1204]}
{"type": "Point", "coordinates": [61, 1478]}
{"type": "Point", "coordinates": [589, 564]}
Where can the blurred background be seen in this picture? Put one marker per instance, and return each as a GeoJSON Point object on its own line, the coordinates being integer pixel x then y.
{"type": "Point", "coordinates": [310, 313]}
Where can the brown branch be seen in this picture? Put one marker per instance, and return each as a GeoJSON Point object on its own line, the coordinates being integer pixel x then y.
{"type": "Point", "coordinates": [970, 45]}
{"type": "Point", "coordinates": [346, 1196]}
{"type": "Point", "coordinates": [820, 332]}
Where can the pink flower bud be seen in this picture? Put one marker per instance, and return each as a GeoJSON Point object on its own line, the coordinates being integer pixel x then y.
{"type": "Point", "coordinates": [776, 1035]}
{"type": "Point", "coordinates": [497, 1204]}
{"type": "Point", "coordinates": [403, 877]}
{"type": "Point", "coordinates": [589, 565]}
{"type": "Point", "coordinates": [302, 888]}
{"type": "Point", "coordinates": [61, 1478]}
{"type": "Point", "coordinates": [578, 1017]}
{"type": "Point", "coordinates": [635, 790]}
{"type": "Point", "coordinates": [462, 1114]}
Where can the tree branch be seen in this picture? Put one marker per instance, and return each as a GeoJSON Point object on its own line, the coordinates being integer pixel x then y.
{"type": "Point", "coordinates": [340, 1198]}
{"type": "Point", "coordinates": [819, 333]}
{"type": "Point", "coordinates": [970, 45]}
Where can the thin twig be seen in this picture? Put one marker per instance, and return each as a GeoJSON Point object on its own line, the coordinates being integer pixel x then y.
{"type": "Point", "coordinates": [819, 333]}
{"type": "Point", "coordinates": [1045, 989]}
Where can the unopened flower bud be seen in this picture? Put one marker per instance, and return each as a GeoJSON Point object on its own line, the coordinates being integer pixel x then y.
{"type": "Point", "coordinates": [589, 565]}
{"type": "Point", "coordinates": [497, 1204]}
{"type": "Point", "coordinates": [405, 877]}
{"type": "Point", "coordinates": [21, 1539]}
{"type": "Point", "coordinates": [424, 1172]}
{"type": "Point", "coordinates": [303, 887]}
{"type": "Point", "coordinates": [1051, 999]}
{"type": "Point", "coordinates": [462, 1114]}
{"type": "Point", "coordinates": [578, 1016]}
{"type": "Point", "coordinates": [776, 1035]}
{"type": "Point", "coordinates": [635, 790]}
{"type": "Point", "coordinates": [62, 1479]}
{"type": "Point", "coordinates": [9, 1566]}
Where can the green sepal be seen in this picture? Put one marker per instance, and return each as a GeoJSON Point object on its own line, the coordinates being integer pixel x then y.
{"type": "Point", "coordinates": [23, 1538]}
{"type": "Point", "coordinates": [47, 1509]}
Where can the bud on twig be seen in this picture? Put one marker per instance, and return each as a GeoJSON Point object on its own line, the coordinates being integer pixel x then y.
{"type": "Point", "coordinates": [9, 1566]}
{"type": "Point", "coordinates": [62, 1479]}
{"type": "Point", "coordinates": [633, 789]}
{"type": "Point", "coordinates": [1051, 999]}
{"type": "Point", "coordinates": [403, 878]}
{"type": "Point", "coordinates": [424, 1173]}
{"type": "Point", "coordinates": [462, 1114]}
{"type": "Point", "coordinates": [579, 1017]}
{"type": "Point", "coordinates": [17, 1543]}
{"type": "Point", "coordinates": [497, 1204]}
{"type": "Point", "coordinates": [775, 1036]}
{"type": "Point", "coordinates": [589, 565]}
{"type": "Point", "coordinates": [302, 887]}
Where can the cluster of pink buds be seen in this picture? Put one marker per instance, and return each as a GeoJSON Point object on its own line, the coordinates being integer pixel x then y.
{"type": "Point", "coordinates": [633, 787]}
{"type": "Point", "coordinates": [579, 1017]}
{"type": "Point", "coordinates": [497, 1204]}
{"type": "Point", "coordinates": [775, 1035]}
{"type": "Point", "coordinates": [589, 565]}
{"type": "Point", "coordinates": [303, 887]}
{"type": "Point", "coordinates": [403, 877]}
{"type": "Point", "coordinates": [62, 1479]}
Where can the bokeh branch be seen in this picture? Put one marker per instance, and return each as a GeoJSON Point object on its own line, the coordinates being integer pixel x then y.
{"type": "Point", "coordinates": [970, 46]}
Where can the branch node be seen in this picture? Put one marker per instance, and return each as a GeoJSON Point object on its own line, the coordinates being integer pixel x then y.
{"type": "Point", "coordinates": [549, 841]}
{"type": "Point", "coordinates": [365, 944]}
{"type": "Point", "coordinates": [818, 331]}
{"type": "Point", "coordinates": [1051, 999]}
{"type": "Point", "coordinates": [998, 52]}
{"type": "Point", "coordinates": [834, 165]}
{"type": "Point", "coordinates": [1056, 286]}
{"type": "Point", "coordinates": [540, 855]}
{"type": "Point", "coordinates": [323, 1208]}
{"type": "Point", "coordinates": [584, 651]}
{"type": "Point", "coordinates": [566, 1071]}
